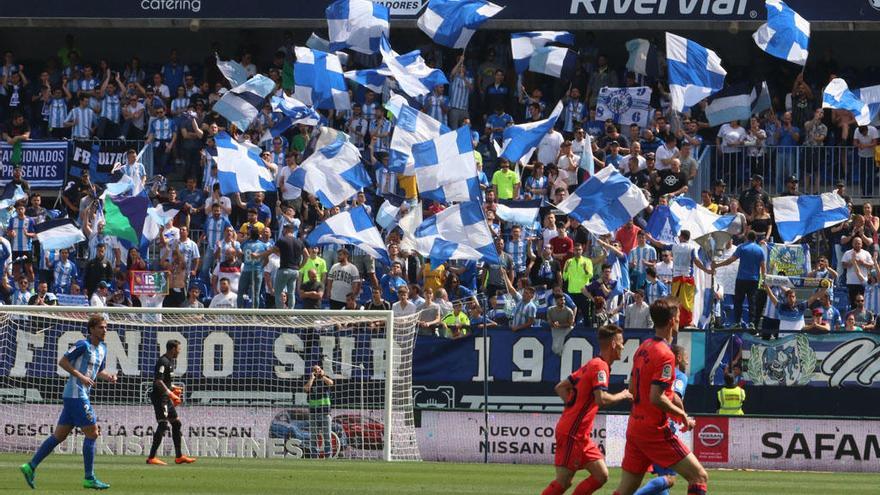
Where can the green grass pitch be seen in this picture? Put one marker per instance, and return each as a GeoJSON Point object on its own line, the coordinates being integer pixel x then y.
{"type": "Point", "coordinates": [62, 474]}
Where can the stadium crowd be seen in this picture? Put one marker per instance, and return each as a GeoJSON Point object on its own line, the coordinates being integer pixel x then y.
{"type": "Point", "coordinates": [247, 251]}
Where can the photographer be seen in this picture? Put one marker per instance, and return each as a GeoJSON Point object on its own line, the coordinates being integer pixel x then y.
{"type": "Point", "coordinates": [318, 390]}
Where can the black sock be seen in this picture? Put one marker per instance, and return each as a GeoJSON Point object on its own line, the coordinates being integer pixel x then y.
{"type": "Point", "coordinates": [157, 438]}
{"type": "Point", "coordinates": [175, 435]}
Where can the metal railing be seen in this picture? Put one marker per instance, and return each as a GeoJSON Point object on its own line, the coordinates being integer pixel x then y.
{"type": "Point", "coordinates": [818, 168]}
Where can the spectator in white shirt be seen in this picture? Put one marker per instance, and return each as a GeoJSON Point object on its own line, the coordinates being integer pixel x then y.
{"type": "Point", "coordinates": [548, 148]}
{"type": "Point", "coordinates": [666, 153]}
{"type": "Point", "coordinates": [403, 306]}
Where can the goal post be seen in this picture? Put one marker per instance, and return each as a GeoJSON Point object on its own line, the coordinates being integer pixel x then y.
{"type": "Point", "coordinates": [244, 375]}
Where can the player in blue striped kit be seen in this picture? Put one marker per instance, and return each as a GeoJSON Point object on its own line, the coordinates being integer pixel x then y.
{"type": "Point", "coordinates": [85, 363]}
{"type": "Point", "coordinates": [666, 477]}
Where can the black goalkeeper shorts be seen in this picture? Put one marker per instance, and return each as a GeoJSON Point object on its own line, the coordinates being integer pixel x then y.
{"type": "Point", "coordinates": [164, 410]}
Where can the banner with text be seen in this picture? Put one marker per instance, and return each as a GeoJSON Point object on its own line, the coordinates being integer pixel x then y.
{"type": "Point", "coordinates": [149, 283]}
{"type": "Point", "coordinates": [43, 163]}
{"type": "Point", "coordinates": [98, 157]}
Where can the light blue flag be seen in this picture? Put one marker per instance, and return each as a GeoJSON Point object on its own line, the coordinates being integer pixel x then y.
{"type": "Point", "coordinates": [352, 227]}
{"type": "Point", "coordinates": [333, 174]}
{"type": "Point", "coordinates": [554, 61]}
{"type": "Point", "coordinates": [58, 234]}
{"type": "Point", "coordinates": [451, 23]}
{"type": "Point", "coordinates": [731, 103]}
{"type": "Point", "coordinates": [694, 72]}
{"type": "Point", "coordinates": [785, 35]}
{"type": "Point", "coordinates": [797, 216]}
{"type": "Point", "coordinates": [446, 169]}
{"type": "Point", "coordinates": [232, 71]}
{"type": "Point", "coordinates": [523, 45]}
{"type": "Point", "coordinates": [412, 127]}
{"type": "Point", "coordinates": [459, 232]}
{"type": "Point", "coordinates": [870, 96]}
{"type": "Point", "coordinates": [837, 95]}
{"type": "Point", "coordinates": [605, 202]}
{"type": "Point", "coordinates": [15, 195]}
{"type": "Point", "coordinates": [357, 24]}
{"type": "Point", "coordinates": [319, 80]}
{"type": "Point", "coordinates": [587, 161]}
{"type": "Point", "coordinates": [288, 111]}
{"type": "Point", "coordinates": [519, 139]}
{"type": "Point", "coordinates": [242, 104]}
{"type": "Point", "coordinates": [240, 168]}
{"type": "Point", "coordinates": [524, 212]}
{"type": "Point", "coordinates": [368, 78]}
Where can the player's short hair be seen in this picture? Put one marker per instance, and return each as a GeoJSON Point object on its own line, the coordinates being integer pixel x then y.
{"type": "Point", "coordinates": [607, 332]}
{"type": "Point", "coordinates": [96, 320]}
{"type": "Point", "coordinates": [171, 344]}
{"type": "Point", "coordinates": [663, 310]}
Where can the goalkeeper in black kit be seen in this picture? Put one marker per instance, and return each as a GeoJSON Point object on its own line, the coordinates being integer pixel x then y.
{"type": "Point", "coordinates": [165, 397]}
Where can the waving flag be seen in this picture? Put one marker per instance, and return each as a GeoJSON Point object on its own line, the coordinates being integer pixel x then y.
{"type": "Point", "coordinates": [333, 174]}
{"type": "Point", "coordinates": [523, 45]}
{"type": "Point", "coordinates": [241, 104]}
{"type": "Point", "coordinates": [837, 95]}
{"type": "Point", "coordinates": [368, 78]}
{"type": "Point", "coordinates": [685, 214]}
{"type": "Point", "coordinates": [240, 168]}
{"type": "Point", "coordinates": [625, 106]}
{"type": "Point", "coordinates": [605, 202]}
{"type": "Point", "coordinates": [357, 24]}
{"type": "Point", "coordinates": [412, 127]}
{"type": "Point", "coordinates": [232, 71]}
{"type": "Point", "coordinates": [785, 35]}
{"type": "Point", "coordinates": [555, 61]}
{"type": "Point", "coordinates": [125, 217]}
{"type": "Point", "coordinates": [413, 76]}
{"type": "Point", "coordinates": [386, 215]}
{"type": "Point", "coordinates": [451, 23]}
{"type": "Point", "coordinates": [459, 232]}
{"type": "Point", "coordinates": [694, 72]}
{"type": "Point", "coordinates": [290, 112]}
{"type": "Point", "coordinates": [729, 104]}
{"type": "Point", "coordinates": [351, 227]}
{"type": "Point", "coordinates": [518, 139]}
{"type": "Point", "coordinates": [797, 216]}
{"type": "Point", "coordinates": [870, 96]}
{"type": "Point", "coordinates": [446, 169]}
{"type": "Point", "coordinates": [58, 234]}
{"type": "Point", "coordinates": [642, 57]}
{"type": "Point", "coordinates": [319, 80]}
{"type": "Point", "coordinates": [523, 213]}
{"type": "Point", "coordinates": [12, 195]}
{"type": "Point", "coordinates": [316, 42]}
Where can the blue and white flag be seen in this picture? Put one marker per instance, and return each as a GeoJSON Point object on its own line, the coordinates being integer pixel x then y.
{"type": "Point", "coordinates": [158, 217]}
{"type": "Point", "coordinates": [316, 42]}
{"type": "Point", "coordinates": [12, 196]}
{"type": "Point", "coordinates": [58, 234]}
{"type": "Point", "coordinates": [731, 103]}
{"type": "Point", "coordinates": [123, 186]}
{"type": "Point", "coordinates": [357, 24]}
{"type": "Point", "coordinates": [588, 161]}
{"type": "Point", "coordinates": [761, 99]}
{"type": "Point", "coordinates": [289, 111]}
{"type": "Point", "coordinates": [625, 106]}
{"type": "Point", "coordinates": [797, 216]}
{"type": "Point", "coordinates": [232, 71]}
{"type": "Point", "coordinates": [351, 227]}
{"type": "Point", "coordinates": [459, 232]}
{"type": "Point", "coordinates": [333, 174]}
{"type": "Point", "coordinates": [368, 78]}
{"type": "Point", "coordinates": [451, 23]}
{"type": "Point", "coordinates": [520, 212]}
{"type": "Point", "coordinates": [413, 76]}
{"type": "Point", "coordinates": [240, 168]}
{"type": "Point", "coordinates": [554, 61]}
{"type": "Point", "coordinates": [386, 215]}
{"type": "Point", "coordinates": [319, 79]}
{"type": "Point", "coordinates": [519, 139]}
{"type": "Point", "coordinates": [241, 104]}
{"type": "Point", "coordinates": [785, 35]}
{"type": "Point", "coordinates": [523, 45]}
{"type": "Point", "coordinates": [445, 167]}
{"type": "Point", "coordinates": [837, 95]}
{"type": "Point", "coordinates": [643, 57]}
{"type": "Point", "coordinates": [411, 127]}
{"type": "Point", "coordinates": [605, 202]}
{"type": "Point", "coordinates": [870, 96]}
{"type": "Point", "coordinates": [695, 72]}
{"type": "Point", "coordinates": [684, 213]}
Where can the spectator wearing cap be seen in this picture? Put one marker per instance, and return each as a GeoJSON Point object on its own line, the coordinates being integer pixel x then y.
{"type": "Point", "coordinates": [99, 297]}
{"type": "Point", "coordinates": [753, 194]}
{"type": "Point", "coordinates": [252, 223]}
{"type": "Point", "coordinates": [791, 186]}
{"type": "Point", "coordinates": [720, 196]}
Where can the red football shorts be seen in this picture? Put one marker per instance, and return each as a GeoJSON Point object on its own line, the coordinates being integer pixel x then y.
{"type": "Point", "coordinates": [574, 455]}
{"type": "Point", "coordinates": [662, 448]}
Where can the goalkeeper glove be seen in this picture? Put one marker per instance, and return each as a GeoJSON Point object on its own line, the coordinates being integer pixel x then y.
{"type": "Point", "coordinates": [176, 396]}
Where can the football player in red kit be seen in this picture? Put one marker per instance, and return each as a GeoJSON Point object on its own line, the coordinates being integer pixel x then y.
{"type": "Point", "coordinates": [584, 392]}
{"type": "Point", "coordinates": [649, 439]}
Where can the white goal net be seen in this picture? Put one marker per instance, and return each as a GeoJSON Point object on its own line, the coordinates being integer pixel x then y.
{"type": "Point", "coordinates": [244, 376]}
